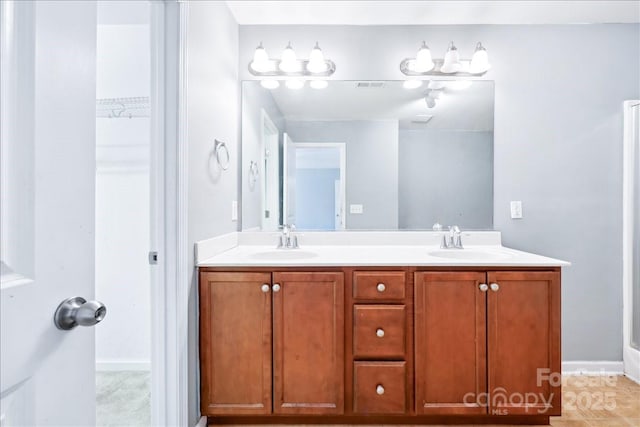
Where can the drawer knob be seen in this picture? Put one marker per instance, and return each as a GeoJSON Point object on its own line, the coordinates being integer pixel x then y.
{"type": "Point", "coordinates": [276, 287]}
{"type": "Point", "coordinates": [265, 288]}
{"type": "Point", "coordinates": [484, 287]}
{"type": "Point", "coordinates": [381, 287]}
{"type": "Point", "coordinates": [380, 389]}
{"type": "Point", "coordinates": [380, 332]}
{"type": "Point", "coordinates": [495, 287]}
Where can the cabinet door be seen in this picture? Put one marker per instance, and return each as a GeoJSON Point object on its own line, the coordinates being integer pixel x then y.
{"type": "Point", "coordinates": [524, 343]}
{"type": "Point", "coordinates": [235, 343]}
{"type": "Point", "coordinates": [308, 339]}
{"type": "Point", "coordinates": [450, 343]}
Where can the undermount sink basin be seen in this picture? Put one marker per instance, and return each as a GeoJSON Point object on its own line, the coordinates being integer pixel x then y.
{"type": "Point", "coordinates": [469, 254]}
{"type": "Point", "coordinates": [283, 254]}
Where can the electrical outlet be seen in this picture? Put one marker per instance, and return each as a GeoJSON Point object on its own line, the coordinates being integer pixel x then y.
{"type": "Point", "coordinates": [234, 210]}
{"type": "Point", "coordinates": [516, 209]}
{"type": "Point", "coordinates": [356, 209]}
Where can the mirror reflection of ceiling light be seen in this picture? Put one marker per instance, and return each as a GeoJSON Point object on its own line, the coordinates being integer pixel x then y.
{"type": "Point", "coordinates": [318, 84]}
{"type": "Point", "coordinates": [294, 84]}
{"type": "Point", "coordinates": [431, 103]}
{"type": "Point", "coordinates": [412, 84]}
{"type": "Point", "coordinates": [424, 65]}
{"type": "Point", "coordinates": [435, 84]}
{"type": "Point", "coordinates": [270, 83]}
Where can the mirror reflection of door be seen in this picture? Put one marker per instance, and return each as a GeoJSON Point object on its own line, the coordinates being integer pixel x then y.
{"type": "Point", "coordinates": [319, 192]}
{"type": "Point", "coordinates": [271, 180]}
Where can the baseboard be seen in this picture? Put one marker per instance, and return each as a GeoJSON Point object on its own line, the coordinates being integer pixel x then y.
{"type": "Point", "coordinates": [202, 422]}
{"type": "Point", "coordinates": [124, 365]}
{"type": "Point", "coordinates": [592, 368]}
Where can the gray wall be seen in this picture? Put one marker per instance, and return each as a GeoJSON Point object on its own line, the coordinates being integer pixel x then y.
{"type": "Point", "coordinates": [557, 141]}
{"type": "Point", "coordinates": [445, 176]}
{"type": "Point", "coordinates": [371, 163]}
{"type": "Point", "coordinates": [254, 99]}
{"type": "Point", "coordinates": [213, 100]}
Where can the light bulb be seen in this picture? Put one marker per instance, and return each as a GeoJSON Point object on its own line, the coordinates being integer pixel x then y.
{"type": "Point", "coordinates": [423, 62]}
{"type": "Point", "coordinates": [318, 84]}
{"type": "Point", "coordinates": [289, 61]}
{"type": "Point", "coordinates": [435, 84]}
{"type": "Point", "coordinates": [294, 84]}
{"type": "Point", "coordinates": [260, 61]}
{"type": "Point", "coordinates": [412, 84]}
{"type": "Point", "coordinates": [316, 62]}
{"type": "Point", "coordinates": [269, 83]}
{"type": "Point", "coordinates": [480, 60]}
{"type": "Point", "coordinates": [459, 84]}
{"type": "Point", "coordinates": [451, 60]}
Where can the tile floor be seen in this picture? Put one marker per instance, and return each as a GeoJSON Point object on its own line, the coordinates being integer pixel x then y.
{"type": "Point", "coordinates": [123, 399]}
{"type": "Point", "coordinates": [593, 401]}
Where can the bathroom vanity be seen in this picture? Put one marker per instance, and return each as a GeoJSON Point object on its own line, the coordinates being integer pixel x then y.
{"type": "Point", "coordinates": [378, 333]}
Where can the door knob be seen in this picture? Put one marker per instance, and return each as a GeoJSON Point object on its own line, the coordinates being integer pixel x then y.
{"type": "Point", "coordinates": [78, 311]}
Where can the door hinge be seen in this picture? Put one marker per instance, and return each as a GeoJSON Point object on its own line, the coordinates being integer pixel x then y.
{"type": "Point", "coordinates": [153, 258]}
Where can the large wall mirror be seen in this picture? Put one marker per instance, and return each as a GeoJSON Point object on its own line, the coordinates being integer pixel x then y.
{"type": "Point", "coordinates": [368, 155]}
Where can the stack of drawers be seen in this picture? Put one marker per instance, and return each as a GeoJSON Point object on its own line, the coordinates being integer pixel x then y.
{"type": "Point", "coordinates": [379, 342]}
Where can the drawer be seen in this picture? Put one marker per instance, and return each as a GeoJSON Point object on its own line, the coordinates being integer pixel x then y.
{"type": "Point", "coordinates": [379, 285]}
{"type": "Point", "coordinates": [379, 388]}
{"type": "Point", "coordinates": [379, 331]}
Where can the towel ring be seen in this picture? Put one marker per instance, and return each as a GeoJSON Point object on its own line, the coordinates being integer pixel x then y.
{"type": "Point", "coordinates": [222, 154]}
{"type": "Point", "coordinates": [254, 172]}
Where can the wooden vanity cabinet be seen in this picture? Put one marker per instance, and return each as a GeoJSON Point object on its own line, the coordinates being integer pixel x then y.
{"type": "Point", "coordinates": [487, 342]}
{"type": "Point", "coordinates": [296, 316]}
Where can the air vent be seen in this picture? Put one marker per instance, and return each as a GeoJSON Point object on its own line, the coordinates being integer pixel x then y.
{"type": "Point", "coordinates": [376, 85]}
{"type": "Point", "coordinates": [421, 120]}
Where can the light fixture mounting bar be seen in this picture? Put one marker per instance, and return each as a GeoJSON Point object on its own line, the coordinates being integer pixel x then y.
{"type": "Point", "coordinates": [407, 71]}
{"type": "Point", "coordinates": [274, 70]}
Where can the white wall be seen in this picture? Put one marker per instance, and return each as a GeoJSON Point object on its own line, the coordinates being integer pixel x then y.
{"type": "Point", "coordinates": [557, 141]}
{"type": "Point", "coordinates": [213, 111]}
{"type": "Point", "coordinates": [123, 340]}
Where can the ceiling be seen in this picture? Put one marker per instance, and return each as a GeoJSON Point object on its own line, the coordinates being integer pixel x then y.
{"type": "Point", "coordinates": [446, 12]}
{"type": "Point", "coordinates": [467, 109]}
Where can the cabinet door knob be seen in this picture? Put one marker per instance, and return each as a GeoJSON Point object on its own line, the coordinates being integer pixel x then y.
{"type": "Point", "coordinates": [381, 287]}
{"type": "Point", "coordinates": [495, 287]}
{"type": "Point", "coordinates": [380, 332]}
{"type": "Point", "coordinates": [484, 287]}
{"type": "Point", "coordinates": [276, 287]}
{"type": "Point", "coordinates": [265, 288]}
{"type": "Point", "coordinates": [380, 389]}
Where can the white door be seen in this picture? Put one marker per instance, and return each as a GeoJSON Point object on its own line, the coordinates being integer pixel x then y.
{"type": "Point", "coordinates": [289, 181]}
{"type": "Point", "coordinates": [631, 240]}
{"type": "Point", "coordinates": [48, 180]}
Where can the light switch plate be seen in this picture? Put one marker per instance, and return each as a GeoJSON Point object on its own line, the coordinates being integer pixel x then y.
{"type": "Point", "coordinates": [234, 210]}
{"type": "Point", "coordinates": [356, 209]}
{"type": "Point", "coordinates": [516, 209]}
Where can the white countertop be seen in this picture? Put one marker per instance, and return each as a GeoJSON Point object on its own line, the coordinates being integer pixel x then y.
{"type": "Point", "coordinates": [242, 251]}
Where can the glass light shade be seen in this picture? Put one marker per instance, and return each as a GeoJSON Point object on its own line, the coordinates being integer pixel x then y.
{"type": "Point", "coordinates": [435, 85]}
{"type": "Point", "coordinates": [412, 84]}
{"type": "Point", "coordinates": [451, 60]}
{"type": "Point", "coordinates": [260, 61]}
{"type": "Point", "coordinates": [423, 62]}
{"type": "Point", "coordinates": [295, 84]}
{"type": "Point", "coordinates": [289, 61]}
{"type": "Point", "coordinates": [480, 60]}
{"type": "Point", "coordinates": [269, 83]}
{"type": "Point", "coordinates": [318, 84]}
{"type": "Point", "coordinates": [316, 62]}
{"type": "Point", "coordinates": [431, 103]}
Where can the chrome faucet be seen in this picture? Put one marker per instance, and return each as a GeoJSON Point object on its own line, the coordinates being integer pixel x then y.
{"type": "Point", "coordinates": [453, 240]}
{"type": "Point", "coordinates": [288, 240]}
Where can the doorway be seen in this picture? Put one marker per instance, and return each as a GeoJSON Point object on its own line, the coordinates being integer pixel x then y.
{"type": "Point", "coordinates": [631, 240]}
{"type": "Point", "coordinates": [320, 189]}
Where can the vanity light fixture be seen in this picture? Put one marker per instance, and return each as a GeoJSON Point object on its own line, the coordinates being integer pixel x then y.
{"type": "Point", "coordinates": [289, 65]}
{"type": "Point", "coordinates": [260, 61]}
{"type": "Point", "coordinates": [424, 65]}
{"type": "Point", "coordinates": [316, 63]}
{"type": "Point", "coordinates": [289, 62]}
